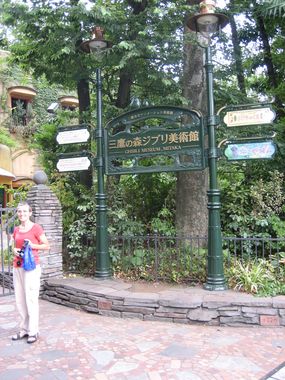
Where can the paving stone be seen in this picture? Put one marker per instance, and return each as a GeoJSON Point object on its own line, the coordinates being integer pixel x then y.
{"type": "Point", "coordinates": [54, 375]}
{"type": "Point", "coordinates": [188, 376]}
{"type": "Point", "coordinates": [75, 345]}
{"type": "Point", "coordinates": [14, 374]}
{"type": "Point", "coordinates": [14, 349]}
{"type": "Point", "coordinates": [235, 363]}
{"type": "Point", "coordinates": [6, 308]}
{"type": "Point", "coordinates": [7, 326]}
{"type": "Point", "coordinates": [121, 367]}
{"type": "Point", "coordinates": [56, 354]}
{"type": "Point", "coordinates": [179, 351]}
{"type": "Point", "coordinates": [103, 358]}
{"type": "Point", "coordinates": [280, 343]}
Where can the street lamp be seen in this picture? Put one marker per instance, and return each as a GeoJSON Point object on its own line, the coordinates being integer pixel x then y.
{"type": "Point", "coordinates": [206, 23]}
{"type": "Point", "coordinates": [97, 45]}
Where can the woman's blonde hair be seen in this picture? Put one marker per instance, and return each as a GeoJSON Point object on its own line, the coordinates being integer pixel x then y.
{"type": "Point", "coordinates": [24, 204]}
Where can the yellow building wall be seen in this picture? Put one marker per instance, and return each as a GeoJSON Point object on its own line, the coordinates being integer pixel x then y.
{"type": "Point", "coordinates": [24, 166]}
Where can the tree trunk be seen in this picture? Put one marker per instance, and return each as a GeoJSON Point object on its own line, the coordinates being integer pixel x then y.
{"type": "Point", "coordinates": [84, 100]}
{"type": "Point", "coordinates": [126, 77]}
{"type": "Point", "coordinates": [268, 61]}
{"type": "Point", "coordinates": [237, 55]}
{"type": "Point", "coordinates": [191, 196]}
{"type": "Point", "coordinates": [124, 91]}
{"type": "Point", "coordinates": [125, 83]}
{"type": "Point", "coordinates": [85, 177]}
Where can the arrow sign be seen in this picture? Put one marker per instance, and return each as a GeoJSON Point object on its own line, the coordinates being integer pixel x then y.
{"type": "Point", "coordinates": [73, 164]}
{"type": "Point", "coordinates": [73, 136]}
{"type": "Point", "coordinates": [250, 150]}
{"type": "Point", "coordinates": [251, 116]}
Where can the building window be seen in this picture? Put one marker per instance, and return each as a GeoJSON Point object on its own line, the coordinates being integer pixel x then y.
{"type": "Point", "coordinates": [20, 111]}
{"type": "Point", "coordinates": [2, 197]}
{"type": "Point", "coordinates": [68, 103]}
{"type": "Point", "coordinates": [20, 101]}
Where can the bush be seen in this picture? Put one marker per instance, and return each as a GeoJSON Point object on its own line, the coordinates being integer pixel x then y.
{"type": "Point", "coordinates": [257, 277]}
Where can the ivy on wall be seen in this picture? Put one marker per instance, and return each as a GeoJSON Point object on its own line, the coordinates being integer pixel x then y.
{"type": "Point", "coordinates": [36, 113]}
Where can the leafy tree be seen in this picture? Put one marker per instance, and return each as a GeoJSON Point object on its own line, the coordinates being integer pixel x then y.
{"type": "Point", "coordinates": [274, 7]}
{"type": "Point", "coordinates": [155, 59]}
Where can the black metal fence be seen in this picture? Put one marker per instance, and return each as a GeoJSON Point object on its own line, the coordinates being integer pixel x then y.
{"type": "Point", "coordinates": [159, 258]}
{"type": "Point", "coordinates": [253, 248]}
{"type": "Point", "coordinates": [165, 258]}
{"type": "Point", "coordinates": [173, 258]}
{"type": "Point", "coordinates": [7, 217]}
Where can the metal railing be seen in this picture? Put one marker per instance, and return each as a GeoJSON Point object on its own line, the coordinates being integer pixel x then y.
{"type": "Point", "coordinates": [157, 258]}
{"type": "Point", "coordinates": [7, 217]}
{"type": "Point", "coordinates": [253, 248]}
{"type": "Point", "coordinates": [174, 258]}
{"type": "Point", "coordinates": [177, 258]}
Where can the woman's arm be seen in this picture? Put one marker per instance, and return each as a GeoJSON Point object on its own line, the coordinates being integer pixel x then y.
{"type": "Point", "coordinates": [44, 244]}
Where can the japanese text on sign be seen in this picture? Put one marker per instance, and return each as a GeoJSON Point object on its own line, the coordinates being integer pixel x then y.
{"type": "Point", "coordinates": [254, 116]}
{"type": "Point", "coordinates": [153, 142]}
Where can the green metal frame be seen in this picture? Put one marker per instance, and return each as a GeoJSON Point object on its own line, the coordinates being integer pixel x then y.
{"type": "Point", "coordinates": [175, 133]}
{"type": "Point", "coordinates": [244, 142]}
{"type": "Point", "coordinates": [215, 270]}
{"type": "Point", "coordinates": [103, 262]}
{"type": "Point", "coordinates": [246, 107]}
{"type": "Point", "coordinates": [62, 128]}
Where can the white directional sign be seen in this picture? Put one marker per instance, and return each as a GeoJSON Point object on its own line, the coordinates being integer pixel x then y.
{"type": "Point", "coordinates": [73, 136]}
{"type": "Point", "coordinates": [251, 116]}
{"type": "Point", "coordinates": [72, 164]}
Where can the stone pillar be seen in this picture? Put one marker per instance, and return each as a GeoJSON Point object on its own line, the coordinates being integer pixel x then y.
{"type": "Point", "coordinates": [47, 212]}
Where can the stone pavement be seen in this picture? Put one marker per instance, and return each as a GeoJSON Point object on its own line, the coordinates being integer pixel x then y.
{"type": "Point", "coordinates": [77, 345]}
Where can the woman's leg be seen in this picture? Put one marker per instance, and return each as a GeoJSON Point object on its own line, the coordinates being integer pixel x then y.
{"type": "Point", "coordinates": [32, 285]}
{"type": "Point", "coordinates": [19, 289]}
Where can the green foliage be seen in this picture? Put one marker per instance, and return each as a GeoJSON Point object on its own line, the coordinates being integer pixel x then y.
{"type": "Point", "coordinates": [188, 267]}
{"type": "Point", "coordinates": [18, 195]}
{"type": "Point", "coordinates": [169, 263]}
{"type": "Point", "coordinates": [268, 197]}
{"type": "Point", "coordinates": [149, 193]}
{"type": "Point", "coordinates": [257, 277]}
{"type": "Point", "coordinates": [140, 204]}
{"type": "Point", "coordinates": [7, 256]}
{"type": "Point", "coordinates": [148, 44]}
{"type": "Point", "coordinates": [71, 196]}
{"type": "Point", "coordinates": [121, 223]}
{"type": "Point", "coordinates": [6, 139]}
{"type": "Point", "coordinates": [80, 235]}
{"type": "Point", "coordinates": [48, 39]}
{"type": "Point", "coordinates": [252, 207]}
{"type": "Point", "coordinates": [25, 122]}
{"type": "Point", "coordinates": [163, 224]}
{"type": "Point", "coordinates": [274, 8]}
{"type": "Point", "coordinates": [44, 140]}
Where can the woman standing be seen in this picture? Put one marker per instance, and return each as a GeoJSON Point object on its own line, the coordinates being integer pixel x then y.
{"type": "Point", "coordinates": [27, 283]}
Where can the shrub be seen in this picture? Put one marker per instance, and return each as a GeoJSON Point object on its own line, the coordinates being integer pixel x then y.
{"type": "Point", "coordinates": [257, 277]}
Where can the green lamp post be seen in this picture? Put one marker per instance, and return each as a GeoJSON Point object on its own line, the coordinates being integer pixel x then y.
{"type": "Point", "coordinates": [206, 23]}
{"type": "Point", "coordinates": [97, 45]}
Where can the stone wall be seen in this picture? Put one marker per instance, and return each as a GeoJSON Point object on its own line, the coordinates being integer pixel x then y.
{"type": "Point", "coordinates": [183, 306]}
{"type": "Point", "coordinates": [47, 212]}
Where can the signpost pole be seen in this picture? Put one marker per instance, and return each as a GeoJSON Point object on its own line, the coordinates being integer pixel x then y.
{"type": "Point", "coordinates": [215, 273]}
{"type": "Point", "coordinates": [103, 268]}
{"type": "Point", "coordinates": [97, 45]}
{"type": "Point", "coordinates": [206, 23]}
